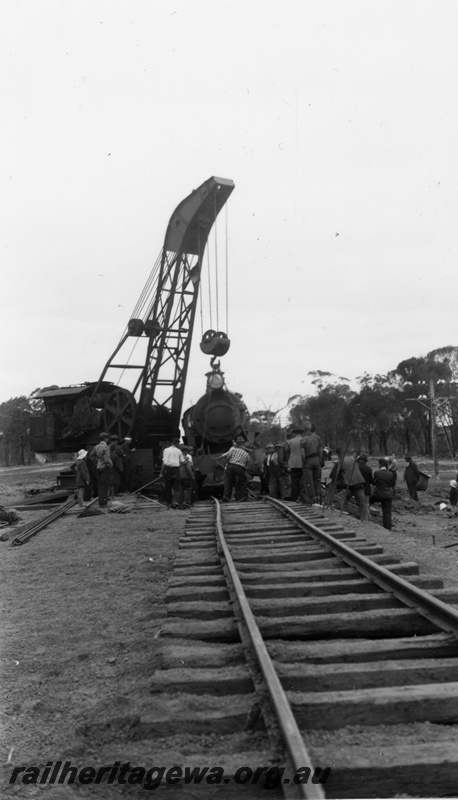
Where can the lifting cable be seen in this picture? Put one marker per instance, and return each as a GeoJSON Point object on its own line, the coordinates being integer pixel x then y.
{"type": "Point", "coordinates": [136, 341]}
{"type": "Point", "coordinates": [214, 290]}
{"type": "Point", "coordinates": [145, 301]}
{"type": "Point", "coordinates": [201, 315]}
{"type": "Point", "coordinates": [216, 267]}
{"type": "Point", "coordinates": [227, 275]}
{"type": "Point", "coordinates": [199, 261]}
{"type": "Point", "coordinates": [148, 288]}
{"type": "Point", "coordinates": [209, 288]}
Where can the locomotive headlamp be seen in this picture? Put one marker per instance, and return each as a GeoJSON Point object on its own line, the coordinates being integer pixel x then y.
{"type": "Point", "coordinates": [215, 381]}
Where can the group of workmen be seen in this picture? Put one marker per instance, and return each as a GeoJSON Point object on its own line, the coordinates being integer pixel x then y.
{"type": "Point", "coordinates": [287, 470]}
{"type": "Point", "coordinates": [354, 474]}
{"type": "Point", "coordinates": [293, 470]}
{"type": "Point", "coordinates": [105, 470]}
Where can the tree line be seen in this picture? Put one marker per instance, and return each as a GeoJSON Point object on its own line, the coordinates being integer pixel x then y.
{"type": "Point", "coordinates": [384, 413]}
{"type": "Point", "coordinates": [389, 413]}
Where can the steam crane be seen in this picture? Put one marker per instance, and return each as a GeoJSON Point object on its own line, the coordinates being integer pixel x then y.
{"type": "Point", "coordinates": [159, 334]}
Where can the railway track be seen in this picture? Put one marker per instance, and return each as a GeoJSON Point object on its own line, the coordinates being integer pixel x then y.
{"type": "Point", "coordinates": [340, 662]}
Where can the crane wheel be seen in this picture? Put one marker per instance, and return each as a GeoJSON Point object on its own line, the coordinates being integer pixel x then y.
{"type": "Point", "coordinates": [119, 413]}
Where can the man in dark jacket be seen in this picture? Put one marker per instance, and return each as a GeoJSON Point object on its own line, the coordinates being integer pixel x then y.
{"type": "Point", "coordinates": [384, 481]}
{"type": "Point", "coordinates": [126, 449]}
{"type": "Point", "coordinates": [366, 472]}
{"type": "Point", "coordinates": [276, 471]}
{"type": "Point", "coordinates": [411, 476]}
{"type": "Point", "coordinates": [311, 444]}
{"type": "Point", "coordinates": [116, 456]}
{"type": "Point", "coordinates": [350, 477]}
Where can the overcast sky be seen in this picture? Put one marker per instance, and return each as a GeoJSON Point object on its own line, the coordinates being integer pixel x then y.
{"type": "Point", "coordinates": [337, 122]}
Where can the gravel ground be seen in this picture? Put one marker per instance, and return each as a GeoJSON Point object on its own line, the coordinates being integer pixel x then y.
{"type": "Point", "coordinates": [82, 608]}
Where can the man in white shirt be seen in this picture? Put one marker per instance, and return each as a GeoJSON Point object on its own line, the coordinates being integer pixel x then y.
{"type": "Point", "coordinates": [172, 458]}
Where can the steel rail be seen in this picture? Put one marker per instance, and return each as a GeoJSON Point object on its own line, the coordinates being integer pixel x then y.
{"type": "Point", "coordinates": [433, 609]}
{"type": "Point", "coordinates": [36, 527]}
{"type": "Point", "coordinates": [285, 717]}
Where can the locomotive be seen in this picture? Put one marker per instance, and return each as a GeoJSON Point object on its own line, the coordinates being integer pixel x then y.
{"type": "Point", "coordinates": [219, 416]}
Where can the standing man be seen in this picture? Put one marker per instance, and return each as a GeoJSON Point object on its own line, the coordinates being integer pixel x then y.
{"type": "Point", "coordinates": [117, 468]}
{"type": "Point", "coordinates": [82, 476]}
{"type": "Point", "coordinates": [277, 471]}
{"type": "Point", "coordinates": [172, 458]}
{"type": "Point", "coordinates": [354, 483]}
{"type": "Point", "coordinates": [393, 467]}
{"type": "Point", "coordinates": [411, 476]}
{"type": "Point", "coordinates": [104, 464]}
{"type": "Point", "coordinates": [90, 491]}
{"type": "Point", "coordinates": [126, 450]}
{"type": "Point", "coordinates": [295, 461]}
{"type": "Point", "coordinates": [264, 471]}
{"type": "Point", "coordinates": [235, 473]}
{"type": "Point", "coordinates": [366, 472]}
{"type": "Point", "coordinates": [311, 444]}
{"type": "Point", "coordinates": [187, 477]}
{"type": "Point", "coordinates": [383, 492]}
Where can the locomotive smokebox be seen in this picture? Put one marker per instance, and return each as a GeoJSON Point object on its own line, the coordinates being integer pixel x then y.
{"type": "Point", "coordinates": [210, 427]}
{"type": "Point", "coordinates": [217, 417]}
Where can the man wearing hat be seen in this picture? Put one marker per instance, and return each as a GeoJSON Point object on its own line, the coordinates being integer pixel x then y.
{"type": "Point", "coordinates": [366, 472]}
{"type": "Point", "coordinates": [82, 476]}
{"type": "Point", "coordinates": [384, 481]}
{"type": "Point", "coordinates": [277, 471]}
{"type": "Point", "coordinates": [101, 455]}
{"type": "Point", "coordinates": [235, 473]}
{"type": "Point", "coordinates": [354, 483]}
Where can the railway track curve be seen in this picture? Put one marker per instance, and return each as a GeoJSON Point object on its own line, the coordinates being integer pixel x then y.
{"type": "Point", "coordinates": [282, 621]}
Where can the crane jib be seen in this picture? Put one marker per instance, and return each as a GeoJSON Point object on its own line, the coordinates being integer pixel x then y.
{"type": "Point", "coordinates": [192, 220]}
{"type": "Point", "coordinates": [148, 409]}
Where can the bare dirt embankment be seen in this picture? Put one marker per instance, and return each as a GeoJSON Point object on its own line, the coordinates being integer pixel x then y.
{"type": "Point", "coordinates": [82, 606]}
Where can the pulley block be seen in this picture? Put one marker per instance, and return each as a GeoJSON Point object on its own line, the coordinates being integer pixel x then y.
{"type": "Point", "coordinates": [215, 343]}
{"type": "Point", "coordinates": [135, 327]}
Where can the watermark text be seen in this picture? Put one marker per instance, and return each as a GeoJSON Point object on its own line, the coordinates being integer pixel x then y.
{"type": "Point", "coordinates": [64, 772]}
